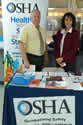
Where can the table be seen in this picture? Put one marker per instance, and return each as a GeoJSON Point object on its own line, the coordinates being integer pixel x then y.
{"type": "Point", "coordinates": [22, 92]}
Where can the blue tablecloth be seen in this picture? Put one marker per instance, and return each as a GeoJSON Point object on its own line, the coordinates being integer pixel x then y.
{"type": "Point", "coordinates": [22, 92]}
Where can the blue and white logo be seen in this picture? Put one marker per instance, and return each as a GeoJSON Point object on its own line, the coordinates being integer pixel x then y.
{"type": "Point", "coordinates": [24, 107]}
{"type": "Point", "coordinates": [11, 7]}
{"type": "Point", "coordinates": [14, 42]}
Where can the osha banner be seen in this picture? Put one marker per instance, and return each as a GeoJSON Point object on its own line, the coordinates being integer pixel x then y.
{"type": "Point", "coordinates": [16, 13]}
{"type": "Point", "coordinates": [59, 110]}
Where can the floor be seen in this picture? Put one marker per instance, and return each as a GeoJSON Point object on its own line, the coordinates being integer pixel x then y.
{"type": "Point", "coordinates": [1, 102]}
{"type": "Point", "coordinates": [80, 62]}
{"type": "Point", "coordinates": [1, 84]}
{"type": "Point", "coordinates": [1, 65]}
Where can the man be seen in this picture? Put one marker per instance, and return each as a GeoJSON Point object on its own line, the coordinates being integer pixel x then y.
{"type": "Point", "coordinates": [32, 39]}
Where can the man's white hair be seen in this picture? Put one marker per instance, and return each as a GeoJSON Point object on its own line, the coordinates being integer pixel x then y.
{"type": "Point", "coordinates": [35, 10]}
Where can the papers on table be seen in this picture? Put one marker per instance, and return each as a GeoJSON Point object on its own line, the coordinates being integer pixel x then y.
{"type": "Point", "coordinates": [75, 74]}
{"type": "Point", "coordinates": [74, 83]}
{"type": "Point", "coordinates": [55, 82]}
{"type": "Point", "coordinates": [48, 80]}
{"type": "Point", "coordinates": [31, 69]}
{"type": "Point", "coordinates": [21, 79]}
{"type": "Point", "coordinates": [65, 74]}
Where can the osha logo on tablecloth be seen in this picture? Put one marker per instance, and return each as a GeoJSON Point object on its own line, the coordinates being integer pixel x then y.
{"type": "Point", "coordinates": [59, 110]}
{"type": "Point", "coordinates": [20, 7]}
{"type": "Point", "coordinates": [24, 107]}
{"type": "Point", "coordinates": [43, 107]}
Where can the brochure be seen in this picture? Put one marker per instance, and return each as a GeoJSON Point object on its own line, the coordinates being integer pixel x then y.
{"type": "Point", "coordinates": [34, 83]}
{"type": "Point", "coordinates": [55, 82]}
{"type": "Point", "coordinates": [31, 69]}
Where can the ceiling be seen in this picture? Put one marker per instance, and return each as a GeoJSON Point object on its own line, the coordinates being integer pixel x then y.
{"type": "Point", "coordinates": [57, 3]}
{"type": "Point", "coordinates": [65, 3]}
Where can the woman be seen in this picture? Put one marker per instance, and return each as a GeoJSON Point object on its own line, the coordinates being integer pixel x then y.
{"type": "Point", "coordinates": [66, 43]}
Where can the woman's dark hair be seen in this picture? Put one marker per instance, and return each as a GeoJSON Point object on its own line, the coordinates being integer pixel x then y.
{"type": "Point", "coordinates": [70, 15]}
